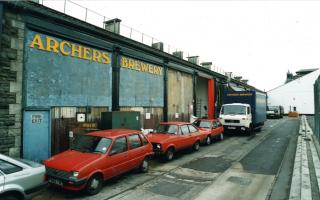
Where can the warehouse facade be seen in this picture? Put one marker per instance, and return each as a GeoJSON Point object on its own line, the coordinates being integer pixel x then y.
{"type": "Point", "coordinates": [58, 74]}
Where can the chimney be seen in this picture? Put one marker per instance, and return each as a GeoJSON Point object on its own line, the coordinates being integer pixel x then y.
{"type": "Point", "coordinates": [194, 59]}
{"type": "Point", "coordinates": [178, 54]}
{"type": "Point", "coordinates": [158, 45]}
{"type": "Point", "coordinates": [245, 81]}
{"type": "Point", "coordinates": [238, 78]}
{"type": "Point", "coordinates": [206, 65]}
{"type": "Point", "coordinates": [112, 25]}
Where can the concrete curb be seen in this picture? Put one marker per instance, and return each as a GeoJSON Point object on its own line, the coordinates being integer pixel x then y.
{"type": "Point", "coordinates": [301, 182]}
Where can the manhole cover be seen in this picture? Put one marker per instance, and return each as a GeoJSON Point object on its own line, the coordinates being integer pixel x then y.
{"type": "Point", "coordinates": [239, 180]}
{"type": "Point", "coordinates": [170, 189]}
{"type": "Point", "coordinates": [209, 164]}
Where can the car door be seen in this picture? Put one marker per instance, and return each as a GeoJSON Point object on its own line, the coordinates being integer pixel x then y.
{"type": "Point", "coordinates": [186, 137]}
{"type": "Point", "coordinates": [194, 132]}
{"type": "Point", "coordinates": [15, 174]}
{"type": "Point", "coordinates": [215, 129]}
{"type": "Point", "coordinates": [218, 128]}
{"type": "Point", "coordinates": [136, 150]}
{"type": "Point", "coordinates": [117, 159]}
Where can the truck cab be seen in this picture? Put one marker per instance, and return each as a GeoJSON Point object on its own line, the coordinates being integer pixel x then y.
{"type": "Point", "coordinates": [236, 117]}
{"type": "Point", "coordinates": [274, 112]}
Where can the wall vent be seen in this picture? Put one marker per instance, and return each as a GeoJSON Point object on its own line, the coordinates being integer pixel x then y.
{"type": "Point", "coordinates": [112, 25]}
{"type": "Point", "coordinates": [194, 59]}
{"type": "Point", "coordinates": [178, 54]}
{"type": "Point", "coordinates": [158, 45]}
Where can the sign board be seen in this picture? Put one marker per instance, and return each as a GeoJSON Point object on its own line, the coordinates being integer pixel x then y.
{"type": "Point", "coordinates": [36, 119]}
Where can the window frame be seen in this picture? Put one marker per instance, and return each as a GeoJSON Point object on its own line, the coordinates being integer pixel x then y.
{"type": "Point", "coordinates": [130, 144]}
{"type": "Point", "coordinates": [14, 165]}
{"type": "Point", "coordinates": [113, 144]}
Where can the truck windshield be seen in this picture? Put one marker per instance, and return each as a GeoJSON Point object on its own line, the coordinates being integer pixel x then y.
{"type": "Point", "coordinates": [91, 144]}
{"type": "Point", "coordinates": [233, 110]}
{"type": "Point", "coordinates": [273, 107]}
{"type": "Point", "coordinates": [167, 129]}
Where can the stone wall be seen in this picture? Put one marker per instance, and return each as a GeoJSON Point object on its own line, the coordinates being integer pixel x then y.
{"type": "Point", "coordinates": [11, 66]}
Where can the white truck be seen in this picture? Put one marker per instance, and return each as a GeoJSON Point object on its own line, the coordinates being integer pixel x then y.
{"type": "Point", "coordinates": [243, 111]}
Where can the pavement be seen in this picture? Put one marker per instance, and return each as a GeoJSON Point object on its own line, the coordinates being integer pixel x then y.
{"type": "Point", "coordinates": [305, 182]}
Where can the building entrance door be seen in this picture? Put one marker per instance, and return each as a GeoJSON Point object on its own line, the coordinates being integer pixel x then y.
{"type": "Point", "coordinates": [36, 135]}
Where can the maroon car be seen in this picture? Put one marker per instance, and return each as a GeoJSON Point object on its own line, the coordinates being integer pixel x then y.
{"type": "Point", "coordinates": [170, 137]}
{"type": "Point", "coordinates": [211, 128]}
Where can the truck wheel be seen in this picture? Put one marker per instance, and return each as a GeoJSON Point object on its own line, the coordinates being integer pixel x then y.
{"type": "Point", "coordinates": [250, 130]}
{"type": "Point", "coordinates": [144, 166]}
{"type": "Point", "coordinates": [208, 140]}
{"type": "Point", "coordinates": [94, 185]}
{"type": "Point", "coordinates": [196, 146]}
{"type": "Point", "coordinates": [169, 154]}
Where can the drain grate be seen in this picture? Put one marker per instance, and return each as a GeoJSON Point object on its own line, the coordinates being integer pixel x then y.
{"type": "Point", "coordinates": [209, 164]}
{"type": "Point", "coordinates": [170, 189]}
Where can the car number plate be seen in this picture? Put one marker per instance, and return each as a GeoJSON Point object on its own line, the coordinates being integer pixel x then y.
{"type": "Point", "coordinates": [231, 127]}
{"type": "Point", "coordinates": [55, 181]}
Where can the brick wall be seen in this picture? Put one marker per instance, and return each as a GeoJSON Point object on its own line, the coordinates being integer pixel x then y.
{"type": "Point", "coordinates": [11, 66]}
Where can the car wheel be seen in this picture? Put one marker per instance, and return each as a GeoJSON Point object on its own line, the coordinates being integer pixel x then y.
{"type": "Point", "coordinates": [196, 146]}
{"type": "Point", "coordinates": [208, 140]}
{"type": "Point", "coordinates": [94, 185]}
{"type": "Point", "coordinates": [169, 154]}
{"type": "Point", "coordinates": [144, 166]}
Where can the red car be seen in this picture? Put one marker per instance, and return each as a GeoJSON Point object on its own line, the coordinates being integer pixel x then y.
{"type": "Point", "coordinates": [211, 128]}
{"type": "Point", "coordinates": [170, 137]}
{"type": "Point", "coordinates": [98, 156]}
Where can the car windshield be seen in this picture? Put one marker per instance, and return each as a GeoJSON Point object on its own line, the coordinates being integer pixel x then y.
{"type": "Point", "coordinates": [203, 124]}
{"type": "Point", "coordinates": [91, 144]}
{"type": "Point", "coordinates": [233, 110]}
{"type": "Point", "coordinates": [167, 129]}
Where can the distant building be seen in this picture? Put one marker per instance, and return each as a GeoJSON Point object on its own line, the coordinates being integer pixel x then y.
{"type": "Point", "coordinates": [297, 92]}
{"type": "Point", "coordinates": [300, 73]}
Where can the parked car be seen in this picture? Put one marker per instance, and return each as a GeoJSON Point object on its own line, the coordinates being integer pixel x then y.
{"type": "Point", "coordinates": [98, 156]}
{"type": "Point", "coordinates": [170, 137]}
{"type": "Point", "coordinates": [20, 178]}
{"type": "Point", "coordinates": [211, 129]}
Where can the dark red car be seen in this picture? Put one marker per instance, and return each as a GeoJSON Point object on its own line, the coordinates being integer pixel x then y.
{"type": "Point", "coordinates": [170, 137]}
{"type": "Point", "coordinates": [98, 156]}
{"type": "Point", "coordinates": [210, 128]}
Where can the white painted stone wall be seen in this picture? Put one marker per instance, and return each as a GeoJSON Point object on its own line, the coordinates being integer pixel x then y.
{"type": "Point", "coordinates": [298, 93]}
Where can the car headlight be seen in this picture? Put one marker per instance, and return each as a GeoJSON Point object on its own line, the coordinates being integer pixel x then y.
{"type": "Point", "coordinates": [158, 146]}
{"type": "Point", "coordinates": [75, 173]}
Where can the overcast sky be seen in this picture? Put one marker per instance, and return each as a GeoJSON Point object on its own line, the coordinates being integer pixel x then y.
{"type": "Point", "coordinates": [258, 40]}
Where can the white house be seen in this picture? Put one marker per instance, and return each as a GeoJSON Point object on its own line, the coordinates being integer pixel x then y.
{"type": "Point", "coordinates": [296, 95]}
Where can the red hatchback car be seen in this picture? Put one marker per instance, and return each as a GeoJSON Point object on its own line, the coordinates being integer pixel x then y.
{"type": "Point", "coordinates": [98, 156]}
{"type": "Point", "coordinates": [170, 137]}
{"type": "Point", "coordinates": [211, 129]}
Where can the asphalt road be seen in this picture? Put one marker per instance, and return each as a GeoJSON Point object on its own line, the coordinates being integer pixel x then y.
{"type": "Point", "coordinates": [239, 167]}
